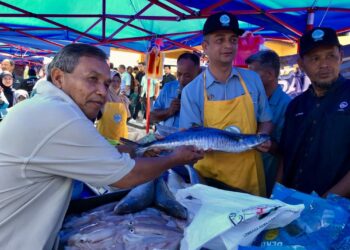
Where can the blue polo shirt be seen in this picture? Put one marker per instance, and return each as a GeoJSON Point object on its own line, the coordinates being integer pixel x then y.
{"type": "Point", "coordinates": [316, 139]}
{"type": "Point", "coordinates": [278, 101]}
{"type": "Point", "coordinates": [192, 100]}
{"type": "Point", "coordinates": [168, 93]}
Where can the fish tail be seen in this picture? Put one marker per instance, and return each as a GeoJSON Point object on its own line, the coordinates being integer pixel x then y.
{"type": "Point", "coordinates": [128, 142]}
{"type": "Point", "coordinates": [140, 149]}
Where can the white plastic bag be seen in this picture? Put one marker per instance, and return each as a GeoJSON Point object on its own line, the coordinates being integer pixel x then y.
{"type": "Point", "coordinates": [225, 220]}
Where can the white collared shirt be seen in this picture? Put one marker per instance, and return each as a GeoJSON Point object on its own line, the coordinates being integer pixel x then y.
{"type": "Point", "coordinates": [45, 142]}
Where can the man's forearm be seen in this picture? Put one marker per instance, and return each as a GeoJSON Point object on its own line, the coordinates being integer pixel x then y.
{"type": "Point", "coordinates": [265, 127]}
{"type": "Point", "coordinates": [160, 115]}
{"type": "Point", "coordinates": [145, 169]}
{"type": "Point", "coordinates": [342, 188]}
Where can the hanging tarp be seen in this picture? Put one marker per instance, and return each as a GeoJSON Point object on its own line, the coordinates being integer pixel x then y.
{"type": "Point", "coordinates": [43, 27]}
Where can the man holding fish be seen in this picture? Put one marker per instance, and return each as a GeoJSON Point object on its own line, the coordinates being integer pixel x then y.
{"type": "Point", "coordinates": [37, 168]}
{"type": "Point", "coordinates": [224, 96]}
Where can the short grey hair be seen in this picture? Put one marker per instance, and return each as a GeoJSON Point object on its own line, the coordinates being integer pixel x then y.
{"type": "Point", "coordinates": [267, 59]}
{"type": "Point", "coordinates": [68, 57]}
{"type": "Point", "coordinates": [12, 62]}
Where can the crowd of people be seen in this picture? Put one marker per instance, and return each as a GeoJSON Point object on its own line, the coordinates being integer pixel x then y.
{"type": "Point", "coordinates": [15, 86]}
{"type": "Point", "coordinates": [308, 150]}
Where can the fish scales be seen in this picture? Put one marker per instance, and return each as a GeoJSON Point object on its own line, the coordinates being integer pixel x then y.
{"type": "Point", "coordinates": [208, 138]}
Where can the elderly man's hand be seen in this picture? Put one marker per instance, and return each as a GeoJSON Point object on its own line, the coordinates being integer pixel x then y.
{"type": "Point", "coordinates": [130, 149]}
{"type": "Point", "coordinates": [187, 155]}
{"type": "Point", "coordinates": [154, 152]}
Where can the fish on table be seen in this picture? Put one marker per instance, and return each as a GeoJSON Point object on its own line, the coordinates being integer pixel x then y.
{"type": "Point", "coordinates": [154, 192]}
{"type": "Point", "coordinates": [147, 229]}
{"type": "Point", "coordinates": [137, 199]}
{"type": "Point", "coordinates": [148, 217]}
{"type": "Point", "coordinates": [165, 200]}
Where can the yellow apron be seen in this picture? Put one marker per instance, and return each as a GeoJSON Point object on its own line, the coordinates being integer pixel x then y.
{"type": "Point", "coordinates": [243, 170]}
{"type": "Point", "coordinates": [112, 125]}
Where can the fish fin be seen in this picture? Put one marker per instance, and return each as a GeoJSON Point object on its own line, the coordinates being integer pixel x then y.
{"type": "Point", "coordinates": [138, 198]}
{"type": "Point", "coordinates": [166, 201]}
{"type": "Point", "coordinates": [233, 129]}
{"type": "Point", "coordinates": [165, 130]}
{"type": "Point", "coordinates": [196, 125]}
{"type": "Point", "coordinates": [195, 177]}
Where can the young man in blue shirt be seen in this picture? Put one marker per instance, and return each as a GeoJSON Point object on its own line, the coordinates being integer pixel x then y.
{"type": "Point", "coordinates": [223, 96]}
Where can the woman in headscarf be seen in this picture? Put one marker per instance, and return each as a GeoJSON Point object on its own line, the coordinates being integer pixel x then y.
{"type": "Point", "coordinates": [20, 95]}
{"type": "Point", "coordinates": [6, 84]}
{"type": "Point", "coordinates": [3, 104]}
{"type": "Point", "coordinates": [115, 112]}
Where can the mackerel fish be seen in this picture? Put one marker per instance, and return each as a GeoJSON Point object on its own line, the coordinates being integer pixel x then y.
{"type": "Point", "coordinates": [207, 139]}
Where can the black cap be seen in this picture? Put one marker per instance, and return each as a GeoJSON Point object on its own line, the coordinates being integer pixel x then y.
{"type": "Point", "coordinates": [317, 37]}
{"type": "Point", "coordinates": [222, 21]}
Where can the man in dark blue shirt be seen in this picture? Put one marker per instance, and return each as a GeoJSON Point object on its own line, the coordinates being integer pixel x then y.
{"type": "Point", "coordinates": [316, 136]}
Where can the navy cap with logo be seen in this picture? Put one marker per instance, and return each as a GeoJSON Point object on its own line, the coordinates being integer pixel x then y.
{"type": "Point", "coordinates": [222, 21]}
{"type": "Point", "coordinates": [317, 37]}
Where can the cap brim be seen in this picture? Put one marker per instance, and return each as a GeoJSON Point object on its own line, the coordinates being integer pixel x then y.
{"type": "Point", "coordinates": [238, 32]}
{"type": "Point", "coordinates": [311, 48]}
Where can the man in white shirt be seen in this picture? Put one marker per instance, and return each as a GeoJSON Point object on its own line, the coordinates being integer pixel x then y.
{"type": "Point", "coordinates": [126, 80]}
{"type": "Point", "coordinates": [48, 140]}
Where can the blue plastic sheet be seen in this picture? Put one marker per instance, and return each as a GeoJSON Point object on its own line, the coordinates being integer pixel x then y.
{"type": "Point", "coordinates": [323, 224]}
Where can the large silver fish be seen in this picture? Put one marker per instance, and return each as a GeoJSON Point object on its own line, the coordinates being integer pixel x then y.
{"type": "Point", "coordinates": [166, 201]}
{"type": "Point", "coordinates": [137, 199]}
{"type": "Point", "coordinates": [207, 138]}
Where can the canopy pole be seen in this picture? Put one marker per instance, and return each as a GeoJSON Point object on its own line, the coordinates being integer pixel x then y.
{"type": "Point", "coordinates": [127, 48]}
{"type": "Point", "coordinates": [86, 31]}
{"type": "Point", "coordinates": [168, 8]}
{"type": "Point", "coordinates": [103, 20]}
{"type": "Point", "coordinates": [148, 105]}
{"type": "Point", "coordinates": [28, 49]}
{"type": "Point", "coordinates": [183, 7]}
{"type": "Point", "coordinates": [31, 36]}
{"type": "Point", "coordinates": [142, 38]}
{"type": "Point", "coordinates": [214, 6]}
{"type": "Point", "coordinates": [182, 45]}
{"type": "Point", "coordinates": [343, 30]}
{"type": "Point", "coordinates": [30, 14]}
{"type": "Point", "coordinates": [277, 20]}
{"type": "Point", "coordinates": [128, 22]}
{"type": "Point", "coordinates": [310, 19]}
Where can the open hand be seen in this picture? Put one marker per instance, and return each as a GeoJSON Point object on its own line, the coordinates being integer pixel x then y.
{"type": "Point", "coordinates": [187, 155]}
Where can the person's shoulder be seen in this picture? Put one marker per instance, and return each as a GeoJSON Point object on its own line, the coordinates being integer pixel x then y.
{"type": "Point", "coordinates": [298, 100]}
{"type": "Point", "coordinates": [284, 97]}
{"type": "Point", "coordinates": [171, 85]}
{"type": "Point", "coordinates": [196, 82]}
{"type": "Point", "coordinates": [247, 72]}
{"type": "Point", "coordinates": [48, 114]}
{"type": "Point", "coordinates": [346, 84]}
{"type": "Point", "coordinates": [55, 105]}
